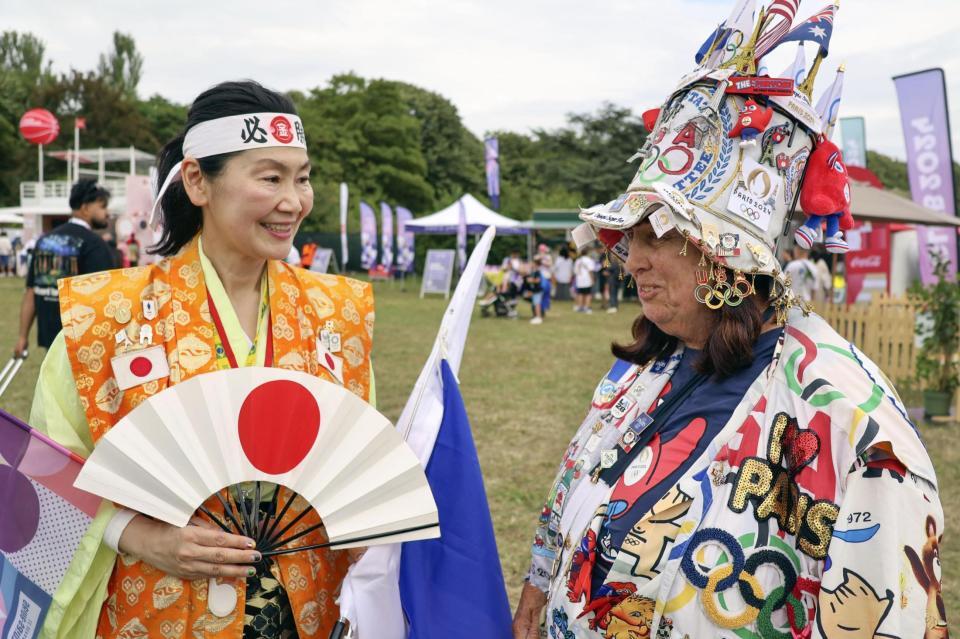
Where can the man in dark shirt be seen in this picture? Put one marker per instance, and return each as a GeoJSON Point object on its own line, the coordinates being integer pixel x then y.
{"type": "Point", "coordinates": [73, 248]}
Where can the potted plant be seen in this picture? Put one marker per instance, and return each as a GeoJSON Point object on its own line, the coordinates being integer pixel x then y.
{"type": "Point", "coordinates": [938, 370]}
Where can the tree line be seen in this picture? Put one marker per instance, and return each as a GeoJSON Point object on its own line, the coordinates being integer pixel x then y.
{"type": "Point", "coordinates": [388, 140]}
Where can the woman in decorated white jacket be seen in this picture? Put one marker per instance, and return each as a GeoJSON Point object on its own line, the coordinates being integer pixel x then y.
{"type": "Point", "coordinates": [743, 471]}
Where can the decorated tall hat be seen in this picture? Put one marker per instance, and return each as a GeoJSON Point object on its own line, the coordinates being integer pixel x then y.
{"type": "Point", "coordinates": [726, 154]}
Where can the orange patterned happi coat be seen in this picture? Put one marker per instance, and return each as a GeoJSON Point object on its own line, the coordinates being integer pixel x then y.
{"type": "Point", "coordinates": [143, 601]}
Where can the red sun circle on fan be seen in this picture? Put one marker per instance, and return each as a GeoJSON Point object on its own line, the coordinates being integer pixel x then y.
{"type": "Point", "coordinates": [278, 425]}
{"type": "Point", "coordinates": [281, 129]}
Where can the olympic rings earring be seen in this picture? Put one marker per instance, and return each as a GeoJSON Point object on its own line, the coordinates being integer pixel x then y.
{"type": "Point", "coordinates": [721, 291]}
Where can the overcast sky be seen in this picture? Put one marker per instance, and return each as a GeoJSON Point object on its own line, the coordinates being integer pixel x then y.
{"type": "Point", "coordinates": [506, 64]}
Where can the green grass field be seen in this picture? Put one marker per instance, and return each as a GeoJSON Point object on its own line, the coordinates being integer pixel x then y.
{"type": "Point", "coordinates": [526, 389]}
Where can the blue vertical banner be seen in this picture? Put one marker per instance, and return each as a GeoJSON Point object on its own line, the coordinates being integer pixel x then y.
{"type": "Point", "coordinates": [926, 131]}
{"type": "Point", "coordinates": [492, 163]}
{"type": "Point", "coordinates": [453, 586]}
{"type": "Point", "coordinates": [405, 239]}
{"type": "Point", "coordinates": [368, 236]}
{"type": "Point", "coordinates": [386, 236]}
{"type": "Point", "coordinates": [854, 134]}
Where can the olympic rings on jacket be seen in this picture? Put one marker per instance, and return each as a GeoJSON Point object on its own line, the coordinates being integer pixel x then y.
{"type": "Point", "coordinates": [734, 568]}
{"type": "Point", "coordinates": [749, 613]}
{"type": "Point", "coordinates": [716, 537]}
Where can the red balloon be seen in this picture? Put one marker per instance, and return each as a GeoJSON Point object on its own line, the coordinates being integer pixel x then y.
{"type": "Point", "coordinates": [278, 424]}
{"type": "Point", "coordinates": [39, 126]}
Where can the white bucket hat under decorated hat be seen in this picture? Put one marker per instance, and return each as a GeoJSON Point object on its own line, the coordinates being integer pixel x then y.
{"type": "Point", "coordinates": [725, 159]}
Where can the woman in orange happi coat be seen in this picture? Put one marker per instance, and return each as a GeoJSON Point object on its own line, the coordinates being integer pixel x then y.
{"type": "Point", "coordinates": [238, 189]}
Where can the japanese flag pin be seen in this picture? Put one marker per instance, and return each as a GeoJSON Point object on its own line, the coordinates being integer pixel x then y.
{"type": "Point", "coordinates": [140, 366]}
{"type": "Point", "coordinates": [332, 363]}
{"type": "Point", "coordinates": [149, 306]}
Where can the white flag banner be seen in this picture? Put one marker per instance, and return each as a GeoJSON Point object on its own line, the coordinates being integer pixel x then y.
{"type": "Point", "coordinates": [370, 594]}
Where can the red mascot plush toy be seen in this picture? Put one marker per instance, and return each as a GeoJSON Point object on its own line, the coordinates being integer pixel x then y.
{"type": "Point", "coordinates": [825, 194]}
{"type": "Point", "coordinates": [751, 122]}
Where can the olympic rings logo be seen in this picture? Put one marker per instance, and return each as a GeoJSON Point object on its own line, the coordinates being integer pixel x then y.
{"type": "Point", "coordinates": [749, 212]}
{"type": "Point", "coordinates": [722, 293]}
{"type": "Point", "coordinates": [734, 568]}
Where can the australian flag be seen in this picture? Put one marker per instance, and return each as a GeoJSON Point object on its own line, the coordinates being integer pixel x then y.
{"type": "Point", "coordinates": [453, 586]}
{"type": "Point", "coordinates": [817, 28]}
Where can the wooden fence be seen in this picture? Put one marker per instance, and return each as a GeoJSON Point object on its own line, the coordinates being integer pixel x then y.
{"type": "Point", "coordinates": [882, 329]}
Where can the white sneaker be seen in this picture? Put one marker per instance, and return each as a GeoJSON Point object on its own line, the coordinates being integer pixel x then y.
{"type": "Point", "coordinates": [612, 309]}
{"type": "Point", "coordinates": [537, 320]}
{"type": "Point", "coordinates": [588, 310]}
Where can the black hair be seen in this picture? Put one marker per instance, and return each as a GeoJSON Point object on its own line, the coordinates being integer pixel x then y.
{"type": "Point", "coordinates": [86, 191]}
{"type": "Point", "coordinates": [182, 220]}
{"type": "Point", "coordinates": [564, 252]}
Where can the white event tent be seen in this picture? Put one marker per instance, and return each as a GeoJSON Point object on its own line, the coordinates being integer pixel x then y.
{"type": "Point", "coordinates": [479, 217]}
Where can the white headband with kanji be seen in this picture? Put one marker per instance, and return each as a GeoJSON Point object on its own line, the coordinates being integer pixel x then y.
{"type": "Point", "coordinates": [231, 134]}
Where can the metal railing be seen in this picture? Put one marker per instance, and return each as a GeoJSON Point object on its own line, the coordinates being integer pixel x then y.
{"type": "Point", "coordinates": [33, 193]}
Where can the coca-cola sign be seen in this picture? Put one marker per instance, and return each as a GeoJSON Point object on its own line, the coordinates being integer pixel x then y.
{"type": "Point", "coordinates": [867, 261]}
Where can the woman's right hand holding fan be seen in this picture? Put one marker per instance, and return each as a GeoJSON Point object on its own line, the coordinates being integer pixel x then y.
{"type": "Point", "coordinates": [199, 550]}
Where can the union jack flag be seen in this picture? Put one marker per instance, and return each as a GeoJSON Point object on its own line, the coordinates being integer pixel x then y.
{"type": "Point", "coordinates": [779, 18]}
{"type": "Point", "coordinates": [817, 28]}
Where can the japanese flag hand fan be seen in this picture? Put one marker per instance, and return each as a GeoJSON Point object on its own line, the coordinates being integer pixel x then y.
{"type": "Point", "coordinates": [168, 455]}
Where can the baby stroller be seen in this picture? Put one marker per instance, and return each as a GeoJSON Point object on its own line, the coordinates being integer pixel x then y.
{"type": "Point", "coordinates": [498, 304]}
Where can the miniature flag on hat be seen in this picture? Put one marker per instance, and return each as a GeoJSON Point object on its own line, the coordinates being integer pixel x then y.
{"type": "Point", "coordinates": [829, 105]}
{"type": "Point", "coordinates": [779, 18]}
{"type": "Point", "coordinates": [139, 367]}
{"type": "Point", "coordinates": [817, 28]}
{"type": "Point", "coordinates": [797, 70]}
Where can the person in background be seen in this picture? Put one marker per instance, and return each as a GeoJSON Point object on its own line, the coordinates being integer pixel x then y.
{"type": "Point", "coordinates": [583, 271]}
{"type": "Point", "coordinates": [563, 274]}
{"type": "Point", "coordinates": [307, 253]}
{"type": "Point", "coordinates": [68, 250]}
{"type": "Point", "coordinates": [533, 290]}
{"type": "Point", "coordinates": [546, 273]}
{"type": "Point", "coordinates": [512, 267]}
{"type": "Point", "coordinates": [118, 258]}
{"type": "Point", "coordinates": [802, 273]}
{"type": "Point", "coordinates": [824, 289]}
{"type": "Point", "coordinates": [614, 275]}
{"type": "Point", "coordinates": [6, 255]}
{"type": "Point", "coordinates": [133, 250]}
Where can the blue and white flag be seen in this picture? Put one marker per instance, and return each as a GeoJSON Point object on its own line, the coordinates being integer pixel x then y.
{"type": "Point", "coordinates": [370, 595]}
{"type": "Point", "coordinates": [453, 583]}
